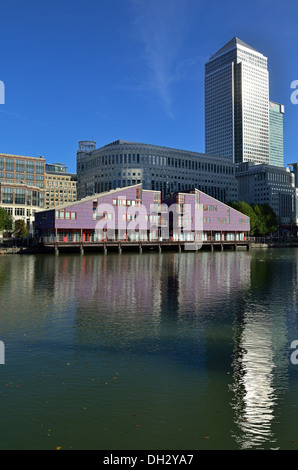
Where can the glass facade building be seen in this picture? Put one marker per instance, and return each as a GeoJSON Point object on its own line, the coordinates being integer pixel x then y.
{"type": "Point", "coordinates": [236, 104]}
{"type": "Point", "coordinates": [276, 125]}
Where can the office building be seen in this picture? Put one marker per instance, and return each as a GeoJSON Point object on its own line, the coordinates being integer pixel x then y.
{"type": "Point", "coordinates": [236, 104]}
{"type": "Point", "coordinates": [61, 186]}
{"type": "Point", "coordinates": [22, 182]}
{"type": "Point", "coordinates": [276, 119]}
{"type": "Point", "coordinates": [260, 184]}
{"type": "Point", "coordinates": [122, 163]}
{"type": "Point", "coordinates": [294, 169]}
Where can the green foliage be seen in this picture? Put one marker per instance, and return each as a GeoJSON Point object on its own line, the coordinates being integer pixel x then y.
{"type": "Point", "coordinates": [20, 229]}
{"type": "Point", "coordinates": [267, 219]}
{"type": "Point", "coordinates": [263, 219]}
{"type": "Point", "coordinates": [6, 221]}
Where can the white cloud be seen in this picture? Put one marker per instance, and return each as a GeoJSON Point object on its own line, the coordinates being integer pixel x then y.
{"type": "Point", "coordinates": [160, 26]}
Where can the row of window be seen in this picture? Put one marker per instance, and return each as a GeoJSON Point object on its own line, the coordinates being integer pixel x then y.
{"type": "Point", "coordinates": [124, 202]}
{"type": "Point", "coordinates": [223, 220]}
{"type": "Point", "coordinates": [160, 160]}
{"type": "Point", "coordinates": [21, 176]}
{"type": "Point", "coordinates": [207, 207]}
{"type": "Point", "coordinates": [65, 215]}
{"type": "Point", "coordinates": [22, 196]}
{"type": "Point", "coordinates": [56, 184]}
{"type": "Point", "coordinates": [21, 166]}
{"type": "Point", "coordinates": [183, 220]}
{"type": "Point", "coordinates": [19, 211]}
{"type": "Point", "coordinates": [103, 216]}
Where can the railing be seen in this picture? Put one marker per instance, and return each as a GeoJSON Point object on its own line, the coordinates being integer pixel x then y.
{"type": "Point", "coordinates": [91, 239]}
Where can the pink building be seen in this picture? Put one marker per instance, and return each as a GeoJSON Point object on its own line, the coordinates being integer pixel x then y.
{"type": "Point", "coordinates": [199, 211]}
{"type": "Point", "coordinates": [135, 214]}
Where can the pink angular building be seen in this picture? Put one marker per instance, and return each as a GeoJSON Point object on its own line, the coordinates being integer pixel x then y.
{"type": "Point", "coordinates": [113, 215]}
{"type": "Point", "coordinates": [135, 214]}
{"type": "Point", "coordinates": [218, 221]}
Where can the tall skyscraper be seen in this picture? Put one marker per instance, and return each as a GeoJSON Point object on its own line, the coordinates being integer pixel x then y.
{"type": "Point", "coordinates": [276, 125]}
{"type": "Point", "coordinates": [237, 104]}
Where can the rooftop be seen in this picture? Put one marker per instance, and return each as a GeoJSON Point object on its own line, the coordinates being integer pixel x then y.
{"type": "Point", "coordinates": [231, 45]}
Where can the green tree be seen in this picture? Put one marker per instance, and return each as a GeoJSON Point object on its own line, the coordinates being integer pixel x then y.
{"type": "Point", "coordinates": [6, 221]}
{"type": "Point", "coordinates": [261, 227]}
{"type": "Point", "coordinates": [20, 229]}
{"type": "Point", "coordinates": [269, 218]}
{"type": "Point", "coordinates": [246, 209]}
{"type": "Point", "coordinates": [263, 219]}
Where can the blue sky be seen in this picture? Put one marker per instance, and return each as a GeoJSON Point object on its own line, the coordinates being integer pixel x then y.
{"type": "Point", "coordinates": [129, 69]}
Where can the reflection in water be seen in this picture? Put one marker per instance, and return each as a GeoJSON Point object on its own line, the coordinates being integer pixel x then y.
{"type": "Point", "coordinates": [260, 365]}
{"type": "Point", "coordinates": [207, 332]}
{"type": "Point", "coordinates": [253, 389]}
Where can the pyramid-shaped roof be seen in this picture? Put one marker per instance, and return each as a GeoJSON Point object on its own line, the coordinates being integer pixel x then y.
{"type": "Point", "coordinates": [230, 45]}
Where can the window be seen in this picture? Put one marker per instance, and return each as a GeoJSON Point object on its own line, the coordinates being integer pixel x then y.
{"type": "Point", "coordinates": [9, 210]}
{"type": "Point", "coordinates": [41, 200]}
{"type": "Point", "coordinates": [20, 166]}
{"type": "Point", "coordinates": [103, 216]}
{"type": "Point", "coordinates": [7, 195]}
{"type": "Point", "coordinates": [29, 198]}
{"type": "Point", "coordinates": [9, 164]}
{"type": "Point", "coordinates": [208, 207]}
{"type": "Point", "coordinates": [39, 167]}
{"type": "Point", "coordinates": [19, 196]}
{"type": "Point", "coordinates": [34, 198]}
{"type": "Point", "coordinates": [19, 211]}
{"type": "Point", "coordinates": [29, 167]}
{"type": "Point", "coordinates": [65, 215]}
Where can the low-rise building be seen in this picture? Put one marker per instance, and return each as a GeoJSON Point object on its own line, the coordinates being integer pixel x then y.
{"type": "Point", "coordinates": [136, 214]}
{"type": "Point", "coordinates": [61, 186]}
{"type": "Point", "coordinates": [216, 220]}
{"type": "Point", "coordinates": [22, 181]}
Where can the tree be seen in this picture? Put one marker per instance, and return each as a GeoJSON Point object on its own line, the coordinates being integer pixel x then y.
{"type": "Point", "coordinates": [269, 218]}
{"type": "Point", "coordinates": [246, 209]}
{"type": "Point", "coordinates": [263, 219]}
{"type": "Point", "coordinates": [21, 229]}
{"type": "Point", "coordinates": [6, 221]}
{"type": "Point", "coordinates": [261, 225]}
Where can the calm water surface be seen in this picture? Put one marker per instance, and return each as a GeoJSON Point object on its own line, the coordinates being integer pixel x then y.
{"type": "Point", "coordinates": [150, 351]}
